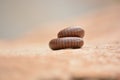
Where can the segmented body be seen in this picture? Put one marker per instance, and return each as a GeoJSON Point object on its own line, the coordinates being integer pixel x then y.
{"type": "Point", "coordinates": [66, 42]}
{"type": "Point", "coordinates": [71, 32]}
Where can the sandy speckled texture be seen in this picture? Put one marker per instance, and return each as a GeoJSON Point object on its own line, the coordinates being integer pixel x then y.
{"type": "Point", "coordinates": [88, 62]}
{"type": "Point", "coordinates": [98, 59]}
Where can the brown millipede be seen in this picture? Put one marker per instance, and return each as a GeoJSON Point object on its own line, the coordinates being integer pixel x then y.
{"type": "Point", "coordinates": [66, 42]}
{"type": "Point", "coordinates": [74, 31]}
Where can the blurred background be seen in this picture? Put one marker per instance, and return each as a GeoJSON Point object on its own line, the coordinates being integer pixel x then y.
{"type": "Point", "coordinates": [27, 26]}
{"type": "Point", "coordinates": [40, 20]}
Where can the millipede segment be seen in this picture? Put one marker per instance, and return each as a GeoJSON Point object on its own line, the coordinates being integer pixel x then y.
{"type": "Point", "coordinates": [67, 42]}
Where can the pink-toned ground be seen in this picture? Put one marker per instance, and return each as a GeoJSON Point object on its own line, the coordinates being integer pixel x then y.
{"type": "Point", "coordinates": [30, 58]}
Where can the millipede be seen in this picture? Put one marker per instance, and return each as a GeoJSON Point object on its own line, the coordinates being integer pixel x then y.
{"type": "Point", "coordinates": [70, 37]}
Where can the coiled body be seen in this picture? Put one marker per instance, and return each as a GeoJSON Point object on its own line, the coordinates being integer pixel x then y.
{"type": "Point", "coordinates": [66, 42]}
{"type": "Point", "coordinates": [72, 32]}
{"type": "Point", "coordinates": [70, 37]}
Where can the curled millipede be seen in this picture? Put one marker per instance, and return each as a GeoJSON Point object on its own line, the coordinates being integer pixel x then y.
{"type": "Point", "coordinates": [66, 42]}
{"type": "Point", "coordinates": [75, 31]}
